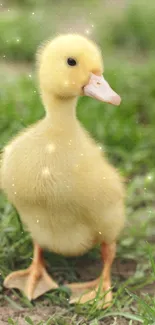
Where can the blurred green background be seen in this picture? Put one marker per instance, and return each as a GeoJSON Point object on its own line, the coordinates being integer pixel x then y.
{"type": "Point", "coordinates": [125, 31]}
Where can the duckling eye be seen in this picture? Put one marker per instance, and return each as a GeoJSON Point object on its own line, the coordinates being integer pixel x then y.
{"type": "Point", "coordinates": [72, 62]}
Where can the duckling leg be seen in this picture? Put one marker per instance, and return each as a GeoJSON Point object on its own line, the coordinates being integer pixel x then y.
{"type": "Point", "coordinates": [100, 285]}
{"type": "Point", "coordinates": [33, 281]}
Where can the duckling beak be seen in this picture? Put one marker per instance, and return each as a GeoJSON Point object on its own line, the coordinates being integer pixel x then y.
{"type": "Point", "coordinates": [99, 88]}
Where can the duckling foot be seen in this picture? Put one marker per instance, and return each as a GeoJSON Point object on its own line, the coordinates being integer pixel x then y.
{"type": "Point", "coordinates": [34, 281]}
{"type": "Point", "coordinates": [101, 293]}
{"type": "Point", "coordinates": [102, 299]}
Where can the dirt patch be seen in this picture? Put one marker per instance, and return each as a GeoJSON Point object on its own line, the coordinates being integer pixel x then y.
{"type": "Point", "coordinates": [91, 269]}
{"type": "Point", "coordinates": [36, 314]}
{"type": "Point", "coordinates": [44, 310]}
{"type": "Point", "coordinates": [55, 314]}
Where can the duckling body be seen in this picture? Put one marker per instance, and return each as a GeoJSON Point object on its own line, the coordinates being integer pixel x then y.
{"type": "Point", "coordinates": [67, 185]}
{"type": "Point", "coordinates": [64, 189]}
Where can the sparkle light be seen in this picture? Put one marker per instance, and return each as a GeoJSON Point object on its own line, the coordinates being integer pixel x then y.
{"type": "Point", "coordinates": [50, 147]}
{"type": "Point", "coordinates": [46, 171]}
{"type": "Point", "coordinates": [32, 13]}
{"type": "Point", "coordinates": [18, 40]}
{"type": "Point", "coordinates": [30, 76]}
{"type": "Point", "coordinates": [4, 56]}
{"type": "Point", "coordinates": [100, 233]}
{"type": "Point", "coordinates": [8, 149]}
{"type": "Point", "coordinates": [66, 82]}
{"type": "Point", "coordinates": [149, 177]}
{"type": "Point", "coordinates": [87, 31]}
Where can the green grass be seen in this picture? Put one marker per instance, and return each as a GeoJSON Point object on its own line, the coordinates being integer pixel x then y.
{"type": "Point", "coordinates": [127, 134]}
{"type": "Point", "coordinates": [22, 30]}
{"type": "Point", "coordinates": [26, 25]}
{"type": "Point", "coordinates": [134, 29]}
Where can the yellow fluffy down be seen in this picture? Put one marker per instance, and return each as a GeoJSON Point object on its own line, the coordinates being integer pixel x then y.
{"type": "Point", "coordinates": [55, 175]}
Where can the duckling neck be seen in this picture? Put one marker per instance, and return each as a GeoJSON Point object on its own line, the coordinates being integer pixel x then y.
{"type": "Point", "coordinates": [60, 111]}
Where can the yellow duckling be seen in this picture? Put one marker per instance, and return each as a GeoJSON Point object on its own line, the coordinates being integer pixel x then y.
{"type": "Point", "coordinates": [55, 175]}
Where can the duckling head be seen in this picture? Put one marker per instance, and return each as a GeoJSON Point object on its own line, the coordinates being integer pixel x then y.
{"type": "Point", "coordinates": [71, 65]}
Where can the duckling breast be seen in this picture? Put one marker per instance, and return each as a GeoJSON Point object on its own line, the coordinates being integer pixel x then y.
{"type": "Point", "coordinates": [66, 193]}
